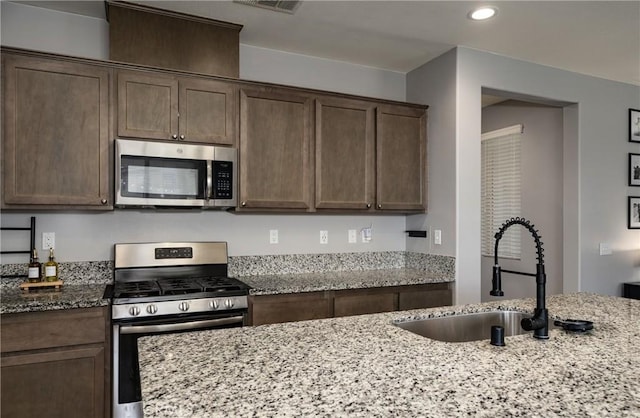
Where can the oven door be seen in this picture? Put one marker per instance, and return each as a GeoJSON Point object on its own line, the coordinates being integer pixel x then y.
{"type": "Point", "coordinates": [127, 395]}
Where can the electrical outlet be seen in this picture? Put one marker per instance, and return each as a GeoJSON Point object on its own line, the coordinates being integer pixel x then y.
{"type": "Point", "coordinates": [273, 236]}
{"type": "Point", "coordinates": [48, 240]}
{"type": "Point", "coordinates": [324, 237]}
{"type": "Point", "coordinates": [353, 236]}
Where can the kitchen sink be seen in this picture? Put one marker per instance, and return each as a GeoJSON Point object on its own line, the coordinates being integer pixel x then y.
{"type": "Point", "coordinates": [467, 327]}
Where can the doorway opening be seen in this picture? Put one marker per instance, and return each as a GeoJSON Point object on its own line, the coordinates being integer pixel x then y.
{"type": "Point", "coordinates": [543, 145]}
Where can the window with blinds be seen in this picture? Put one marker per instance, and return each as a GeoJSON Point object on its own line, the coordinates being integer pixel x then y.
{"type": "Point", "coordinates": [501, 189]}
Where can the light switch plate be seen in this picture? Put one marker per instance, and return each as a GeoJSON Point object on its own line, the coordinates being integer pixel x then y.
{"type": "Point", "coordinates": [605, 248]}
{"type": "Point", "coordinates": [437, 237]}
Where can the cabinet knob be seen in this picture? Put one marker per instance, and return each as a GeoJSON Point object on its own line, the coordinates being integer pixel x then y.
{"type": "Point", "coordinates": [103, 201]}
{"type": "Point", "coordinates": [244, 203]}
{"type": "Point", "coordinates": [379, 206]}
{"type": "Point", "coordinates": [174, 136]}
{"type": "Point", "coordinates": [182, 137]}
{"type": "Point", "coordinates": [368, 205]}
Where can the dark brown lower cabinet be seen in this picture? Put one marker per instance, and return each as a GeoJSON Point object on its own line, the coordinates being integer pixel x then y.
{"type": "Point", "coordinates": [364, 301]}
{"type": "Point", "coordinates": [55, 364]}
{"type": "Point", "coordinates": [271, 309]}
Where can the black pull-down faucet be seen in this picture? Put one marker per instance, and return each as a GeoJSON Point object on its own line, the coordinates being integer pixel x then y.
{"type": "Point", "coordinates": [540, 321]}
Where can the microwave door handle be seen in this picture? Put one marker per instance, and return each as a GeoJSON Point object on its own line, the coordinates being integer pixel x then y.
{"type": "Point", "coordinates": [209, 185]}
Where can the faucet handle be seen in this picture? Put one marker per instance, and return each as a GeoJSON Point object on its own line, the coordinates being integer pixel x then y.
{"type": "Point", "coordinates": [496, 282]}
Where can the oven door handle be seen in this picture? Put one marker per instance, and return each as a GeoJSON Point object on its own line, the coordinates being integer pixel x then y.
{"type": "Point", "coordinates": [194, 325]}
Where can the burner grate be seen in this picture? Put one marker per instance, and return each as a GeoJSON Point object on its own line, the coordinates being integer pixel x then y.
{"type": "Point", "coordinates": [179, 286]}
{"type": "Point", "coordinates": [218, 284]}
{"type": "Point", "coordinates": [136, 289]}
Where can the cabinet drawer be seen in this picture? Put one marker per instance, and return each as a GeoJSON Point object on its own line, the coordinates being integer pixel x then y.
{"type": "Point", "coordinates": [37, 330]}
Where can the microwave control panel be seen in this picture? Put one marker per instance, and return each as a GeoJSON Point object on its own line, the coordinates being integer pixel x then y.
{"type": "Point", "coordinates": [222, 180]}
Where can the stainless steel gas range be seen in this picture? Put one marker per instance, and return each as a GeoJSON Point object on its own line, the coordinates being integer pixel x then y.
{"type": "Point", "coordinates": [161, 288]}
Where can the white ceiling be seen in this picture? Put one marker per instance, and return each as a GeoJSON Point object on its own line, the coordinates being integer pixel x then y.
{"type": "Point", "coordinates": [598, 38]}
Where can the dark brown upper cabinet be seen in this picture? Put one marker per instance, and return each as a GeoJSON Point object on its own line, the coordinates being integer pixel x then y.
{"type": "Point", "coordinates": [190, 109]}
{"type": "Point", "coordinates": [275, 150]}
{"type": "Point", "coordinates": [401, 158]}
{"type": "Point", "coordinates": [345, 152]}
{"type": "Point", "coordinates": [55, 134]}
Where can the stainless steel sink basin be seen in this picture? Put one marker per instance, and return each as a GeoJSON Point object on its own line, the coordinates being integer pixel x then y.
{"type": "Point", "coordinates": [467, 327]}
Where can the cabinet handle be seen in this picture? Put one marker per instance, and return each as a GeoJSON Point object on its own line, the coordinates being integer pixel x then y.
{"type": "Point", "coordinates": [379, 206]}
{"type": "Point", "coordinates": [244, 203]}
{"type": "Point", "coordinates": [103, 201]}
{"type": "Point", "coordinates": [182, 137]}
{"type": "Point", "coordinates": [368, 205]}
{"type": "Point", "coordinates": [174, 136]}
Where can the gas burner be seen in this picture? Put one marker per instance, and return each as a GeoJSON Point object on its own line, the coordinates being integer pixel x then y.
{"type": "Point", "coordinates": [179, 286]}
{"type": "Point", "coordinates": [137, 289]}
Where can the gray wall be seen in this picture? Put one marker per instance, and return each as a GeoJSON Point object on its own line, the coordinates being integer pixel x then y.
{"type": "Point", "coordinates": [595, 149]}
{"type": "Point", "coordinates": [90, 236]}
{"type": "Point", "coordinates": [541, 198]}
{"type": "Point", "coordinates": [434, 83]}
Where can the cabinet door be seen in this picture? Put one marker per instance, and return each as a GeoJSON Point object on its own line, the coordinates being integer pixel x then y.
{"type": "Point", "coordinates": [207, 111]}
{"type": "Point", "coordinates": [56, 133]}
{"type": "Point", "coordinates": [425, 296]}
{"type": "Point", "coordinates": [344, 154]}
{"type": "Point", "coordinates": [67, 383]}
{"type": "Point", "coordinates": [401, 145]}
{"type": "Point", "coordinates": [147, 105]}
{"type": "Point", "coordinates": [275, 146]}
{"type": "Point", "coordinates": [364, 301]}
{"type": "Point", "coordinates": [272, 309]}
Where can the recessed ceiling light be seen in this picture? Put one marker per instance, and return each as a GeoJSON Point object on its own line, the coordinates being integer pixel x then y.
{"type": "Point", "coordinates": [483, 13]}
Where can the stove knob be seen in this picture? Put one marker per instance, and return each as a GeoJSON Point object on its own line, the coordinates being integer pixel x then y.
{"type": "Point", "coordinates": [184, 306]}
{"type": "Point", "coordinates": [134, 311]}
{"type": "Point", "coordinates": [228, 303]}
{"type": "Point", "coordinates": [152, 309]}
{"type": "Point", "coordinates": [214, 304]}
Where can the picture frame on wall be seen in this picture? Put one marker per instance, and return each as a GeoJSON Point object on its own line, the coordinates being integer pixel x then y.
{"type": "Point", "coordinates": [634, 169]}
{"type": "Point", "coordinates": [634, 212]}
{"type": "Point", "coordinates": [634, 125]}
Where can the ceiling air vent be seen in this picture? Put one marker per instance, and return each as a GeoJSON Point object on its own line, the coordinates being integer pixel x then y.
{"type": "Point", "coordinates": [286, 6]}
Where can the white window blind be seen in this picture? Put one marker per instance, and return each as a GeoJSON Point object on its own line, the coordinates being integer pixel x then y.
{"type": "Point", "coordinates": [501, 189]}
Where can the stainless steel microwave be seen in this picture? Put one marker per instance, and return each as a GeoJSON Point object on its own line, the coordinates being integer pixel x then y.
{"type": "Point", "coordinates": [174, 174]}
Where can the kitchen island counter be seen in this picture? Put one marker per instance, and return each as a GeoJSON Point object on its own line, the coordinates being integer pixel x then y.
{"type": "Point", "coordinates": [365, 366]}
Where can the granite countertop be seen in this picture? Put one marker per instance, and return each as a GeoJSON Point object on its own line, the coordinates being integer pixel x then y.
{"type": "Point", "coordinates": [364, 366]}
{"type": "Point", "coordinates": [15, 300]}
{"type": "Point", "coordinates": [339, 280]}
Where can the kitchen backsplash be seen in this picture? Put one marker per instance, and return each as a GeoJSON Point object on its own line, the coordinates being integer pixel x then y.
{"type": "Point", "coordinates": [98, 272]}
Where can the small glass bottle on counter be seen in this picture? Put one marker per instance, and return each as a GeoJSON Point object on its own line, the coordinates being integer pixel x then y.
{"type": "Point", "coordinates": [51, 268]}
{"type": "Point", "coordinates": [35, 268]}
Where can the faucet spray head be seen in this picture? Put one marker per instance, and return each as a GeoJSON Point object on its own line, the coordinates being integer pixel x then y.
{"type": "Point", "coordinates": [496, 282]}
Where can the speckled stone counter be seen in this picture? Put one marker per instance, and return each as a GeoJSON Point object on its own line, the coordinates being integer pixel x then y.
{"type": "Point", "coordinates": [364, 366]}
{"type": "Point", "coordinates": [339, 280]}
{"type": "Point", "coordinates": [14, 300]}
